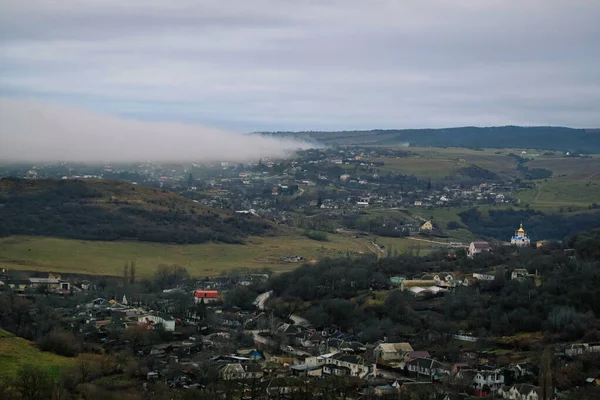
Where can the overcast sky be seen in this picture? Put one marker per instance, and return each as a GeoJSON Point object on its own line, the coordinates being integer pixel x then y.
{"type": "Point", "coordinates": [309, 64]}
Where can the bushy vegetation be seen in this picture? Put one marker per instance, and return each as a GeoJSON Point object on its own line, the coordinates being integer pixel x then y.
{"type": "Point", "coordinates": [500, 224]}
{"type": "Point", "coordinates": [80, 210]}
{"type": "Point", "coordinates": [316, 235]}
{"type": "Point", "coordinates": [530, 173]}
{"type": "Point", "coordinates": [565, 302]}
{"type": "Point", "coordinates": [474, 171]}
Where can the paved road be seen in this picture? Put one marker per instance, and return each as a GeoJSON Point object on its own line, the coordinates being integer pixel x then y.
{"type": "Point", "coordinates": [261, 299]}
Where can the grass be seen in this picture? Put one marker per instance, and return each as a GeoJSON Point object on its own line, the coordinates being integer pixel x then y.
{"type": "Point", "coordinates": [16, 351]}
{"type": "Point", "coordinates": [439, 163]}
{"type": "Point", "coordinates": [207, 259]}
{"type": "Point", "coordinates": [578, 168]}
{"type": "Point", "coordinates": [563, 193]}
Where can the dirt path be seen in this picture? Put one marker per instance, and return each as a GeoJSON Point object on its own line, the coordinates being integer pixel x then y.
{"type": "Point", "coordinates": [437, 242]}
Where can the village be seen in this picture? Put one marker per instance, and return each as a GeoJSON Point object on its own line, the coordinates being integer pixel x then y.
{"type": "Point", "coordinates": [194, 333]}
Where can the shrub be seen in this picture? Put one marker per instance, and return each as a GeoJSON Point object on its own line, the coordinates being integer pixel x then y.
{"type": "Point", "coordinates": [61, 343]}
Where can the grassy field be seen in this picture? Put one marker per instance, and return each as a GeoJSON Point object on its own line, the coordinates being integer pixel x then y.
{"type": "Point", "coordinates": [107, 258]}
{"type": "Point", "coordinates": [16, 351]}
{"type": "Point", "coordinates": [438, 163]}
{"type": "Point", "coordinates": [578, 168]}
{"type": "Point", "coordinates": [575, 184]}
{"type": "Point", "coordinates": [562, 193]}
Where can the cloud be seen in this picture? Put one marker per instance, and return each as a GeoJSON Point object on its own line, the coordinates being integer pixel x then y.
{"type": "Point", "coordinates": [332, 64]}
{"type": "Point", "coordinates": [31, 130]}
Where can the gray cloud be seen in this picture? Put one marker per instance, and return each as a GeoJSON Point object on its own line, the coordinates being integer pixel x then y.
{"type": "Point", "coordinates": [269, 64]}
{"type": "Point", "coordinates": [31, 130]}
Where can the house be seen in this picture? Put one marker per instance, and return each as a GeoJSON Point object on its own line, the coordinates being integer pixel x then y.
{"type": "Point", "coordinates": [53, 282]}
{"type": "Point", "coordinates": [337, 370]}
{"type": "Point", "coordinates": [519, 273]}
{"type": "Point", "coordinates": [575, 349]}
{"type": "Point", "coordinates": [478, 248]}
{"type": "Point", "coordinates": [427, 226]}
{"type": "Point", "coordinates": [392, 351]}
{"type": "Point", "coordinates": [19, 285]}
{"type": "Point", "coordinates": [206, 296]}
{"type": "Point", "coordinates": [484, 277]}
{"type": "Point", "coordinates": [166, 321]}
{"type": "Point", "coordinates": [338, 364]}
{"type": "Point", "coordinates": [521, 391]}
{"type": "Point", "coordinates": [237, 371]}
{"type": "Point", "coordinates": [307, 370]}
{"type": "Point", "coordinates": [593, 381]}
{"type": "Point", "coordinates": [482, 381]}
{"type": "Point", "coordinates": [428, 367]}
{"type": "Point", "coordinates": [522, 369]}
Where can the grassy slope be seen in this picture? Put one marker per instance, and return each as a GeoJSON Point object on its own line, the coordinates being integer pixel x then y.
{"type": "Point", "coordinates": [438, 163]}
{"type": "Point", "coordinates": [16, 351]}
{"type": "Point", "coordinates": [575, 183]}
{"type": "Point", "coordinates": [107, 258]}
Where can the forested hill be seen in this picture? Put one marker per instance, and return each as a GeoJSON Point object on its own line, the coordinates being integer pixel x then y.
{"type": "Point", "coordinates": [113, 210]}
{"type": "Point", "coordinates": [542, 137]}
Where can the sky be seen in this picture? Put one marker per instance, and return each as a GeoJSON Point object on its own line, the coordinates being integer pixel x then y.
{"type": "Point", "coordinates": [265, 65]}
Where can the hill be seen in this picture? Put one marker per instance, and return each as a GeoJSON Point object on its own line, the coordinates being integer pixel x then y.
{"type": "Point", "coordinates": [115, 210]}
{"type": "Point", "coordinates": [16, 351]}
{"type": "Point", "coordinates": [541, 137]}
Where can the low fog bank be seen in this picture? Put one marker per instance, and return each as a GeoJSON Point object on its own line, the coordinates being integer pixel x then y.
{"type": "Point", "coordinates": [32, 130]}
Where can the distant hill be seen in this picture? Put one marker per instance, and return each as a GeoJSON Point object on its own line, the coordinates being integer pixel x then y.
{"type": "Point", "coordinates": [114, 210]}
{"type": "Point", "coordinates": [537, 137]}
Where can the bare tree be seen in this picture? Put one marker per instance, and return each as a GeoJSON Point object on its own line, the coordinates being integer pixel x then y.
{"type": "Point", "coordinates": [125, 273]}
{"type": "Point", "coordinates": [33, 383]}
{"type": "Point", "coordinates": [545, 377]}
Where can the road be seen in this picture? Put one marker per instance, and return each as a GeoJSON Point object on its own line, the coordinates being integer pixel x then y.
{"type": "Point", "coordinates": [436, 242]}
{"type": "Point", "coordinates": [261, 299]}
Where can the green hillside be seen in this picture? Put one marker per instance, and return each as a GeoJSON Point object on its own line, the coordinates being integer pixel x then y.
{"type": "Point", "coordinates": [16, 351]}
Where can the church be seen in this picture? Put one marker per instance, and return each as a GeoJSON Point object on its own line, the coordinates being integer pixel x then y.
{"type": "Point", "coordinates": [520, 238]}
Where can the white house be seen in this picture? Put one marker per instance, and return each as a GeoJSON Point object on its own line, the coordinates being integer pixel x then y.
{"type": "Point", "coordinates": [477, 248]}
{"type": "Point", "coordinates": [521, 391]}
{"type": "Point", "coordinates": [167, 322]}
{"type": "Point", "coordinates": [238, 371]}
{"type": "Point", "coordinates": [492, 379]}
{"type": "Point", "coordinates": [339, 364]}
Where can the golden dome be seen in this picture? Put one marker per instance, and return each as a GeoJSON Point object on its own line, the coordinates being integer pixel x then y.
{"type": "Point", "coordinates": [521, 230]}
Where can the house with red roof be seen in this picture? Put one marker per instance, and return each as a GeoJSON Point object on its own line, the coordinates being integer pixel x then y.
{"type": "Point", "coordinates": [206, 296]}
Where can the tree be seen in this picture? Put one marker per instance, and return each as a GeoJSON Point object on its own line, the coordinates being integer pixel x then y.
{"type": "Point", "coordinates": [125, 273]}
{"type": "Point", "coordinates": [138, 336]}
{"type": "Point", "coordinates": [545, 377]}
{"type": "Point", "coordinates": [452, 225]}
{"type": "Point", "coordinates": [190, 180]}
{"type": "Point", "coordinates": [132, 273]}
{"type": "Point", "coordinates": [33, 383]}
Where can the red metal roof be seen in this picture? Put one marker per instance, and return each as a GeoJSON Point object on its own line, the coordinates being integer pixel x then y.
{"type": "Point", "coordinates": [211, 294]}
